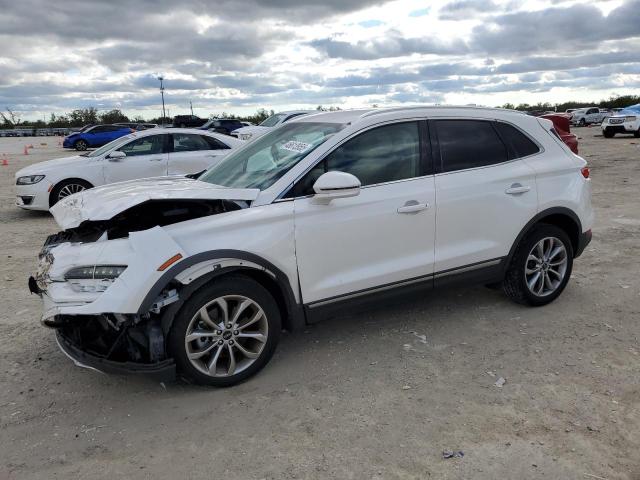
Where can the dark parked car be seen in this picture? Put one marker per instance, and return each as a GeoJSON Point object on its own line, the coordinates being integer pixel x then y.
{"type": "Point", "coordinates": [222, 125]}
{"type": "Point", "coordinates": [183, 121]}
{"type": "Point", "coordinates": [95, 136]}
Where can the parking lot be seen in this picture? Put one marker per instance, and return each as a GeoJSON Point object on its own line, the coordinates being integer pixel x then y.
{"type": "Point", "coordinates": [377, 395]}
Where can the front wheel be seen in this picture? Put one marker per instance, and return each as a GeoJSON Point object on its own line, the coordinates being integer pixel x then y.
{"type": "Point", "coordinates": [608, 133]}
{"type": "Point", "coordinates": [66, 188]}
{"type": "Point", "coordinates": [226, 332]}
{"type": "Point", "coordinates": [81, 145]}
{"type": "Point", "coordinates": [637, 133]}
{"type": "Point", "coordinates": [541, 266]}
{"type": "Point", "coordinates": [582, 122]}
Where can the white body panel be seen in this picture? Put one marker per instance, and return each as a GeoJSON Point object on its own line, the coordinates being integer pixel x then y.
{"type": "Point", "coordinates": [476, 219]}
{"type": "Point", "coordinates": [357, 243]}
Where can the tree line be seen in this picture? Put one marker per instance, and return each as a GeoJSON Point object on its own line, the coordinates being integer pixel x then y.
{"type": "Point", "coordinates": [90, 116]}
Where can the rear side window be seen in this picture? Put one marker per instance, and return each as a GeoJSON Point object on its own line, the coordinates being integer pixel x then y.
{"type": "Point", "coordinates": [469, 144]}
{"type": "Point", "coordinates": [518, 142]}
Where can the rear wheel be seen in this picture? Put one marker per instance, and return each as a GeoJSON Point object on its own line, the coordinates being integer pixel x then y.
{"type": "Point", "coordinates": [541, 266]}
{"type": "Point", "coordinates": [226, 332]}
{"type": "Point", "coordinates": [66, 188]}
{"type": "Point", "coordinates": [80, 145]}
{"type": "Point", "coordinates": [608, 133]}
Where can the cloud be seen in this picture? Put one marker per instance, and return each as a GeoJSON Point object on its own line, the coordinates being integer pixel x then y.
{"type": "Point", "coordinates": [244, 54]}
{"type": "Point", "coordinates": [391, 44]}
{"type": "Point", "coordinates": [464, 8]}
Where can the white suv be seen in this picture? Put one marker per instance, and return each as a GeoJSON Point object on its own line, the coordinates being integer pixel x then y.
{"type": "Point", "coordinates": [324, 213]}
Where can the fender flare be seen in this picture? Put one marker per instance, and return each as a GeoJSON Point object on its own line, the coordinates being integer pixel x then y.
{"type": "Point", "coordinates": [536, 219]}
{"type": "Point", "coordinates": [294, 309]}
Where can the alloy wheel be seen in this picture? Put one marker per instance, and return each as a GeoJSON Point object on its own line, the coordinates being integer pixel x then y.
{"type": "Point", "coordinates": [546, 266]}
{"type": "Point", "coordinates": [226, 336]}
{"type": "Point", "coordinates": [70, 189]}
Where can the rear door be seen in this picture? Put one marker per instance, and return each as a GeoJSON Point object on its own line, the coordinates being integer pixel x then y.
{"type": "Point", "coordinates": [191, 153]}
{"type": "Point", "coordinates": [381, 238]}
{"type": "Point", "coordinates": [146, 157]}
{"type": "Point", "coordinates": [485, 192]}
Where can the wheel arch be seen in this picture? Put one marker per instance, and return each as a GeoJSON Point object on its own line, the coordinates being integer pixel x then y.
{"type": "Point", "coordinates": [65, 180]}
{"type": "Point", "coordinates": [216, 264]}
{"type": "Point", "coordinates": [561, 217]}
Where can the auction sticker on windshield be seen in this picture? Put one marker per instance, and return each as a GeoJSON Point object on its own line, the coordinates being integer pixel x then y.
{"type": "Point", "coordinates": [298, 147]}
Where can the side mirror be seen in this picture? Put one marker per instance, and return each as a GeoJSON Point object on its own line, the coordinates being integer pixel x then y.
{"type": "Point", "coordinates": [116, 156]}
{"type": "Point", "coordinates": [332, 185]}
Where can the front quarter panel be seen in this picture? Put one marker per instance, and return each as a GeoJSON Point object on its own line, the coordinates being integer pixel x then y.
{"type": "Point", "coordinates": [265, 231]}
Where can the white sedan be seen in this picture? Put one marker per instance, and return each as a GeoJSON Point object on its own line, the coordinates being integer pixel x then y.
{"type": "Point", "coordinates": [150, 153]}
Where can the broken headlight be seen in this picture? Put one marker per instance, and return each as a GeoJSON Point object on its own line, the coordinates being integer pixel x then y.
{"type": "Point", "coordinates": [29, 179]}
{"type": "Point", "coordinates": [93, 279]}
{"type": "Point", "coordinates": [97, 272]}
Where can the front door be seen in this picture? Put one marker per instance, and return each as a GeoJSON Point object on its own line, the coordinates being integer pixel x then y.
{"type": "Point", "coordinates": [146, 157]}
{"type": "Point", "coordinates": [383, 236]}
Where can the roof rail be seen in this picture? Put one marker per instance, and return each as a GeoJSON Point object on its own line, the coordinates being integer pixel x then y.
{"type": "Point", "coordinates": [422, 107]}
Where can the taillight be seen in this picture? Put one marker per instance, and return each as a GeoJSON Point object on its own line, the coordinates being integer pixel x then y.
{"type": "Point", "coordinates": [585, 172]}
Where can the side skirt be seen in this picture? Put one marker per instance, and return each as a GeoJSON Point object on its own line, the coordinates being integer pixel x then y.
{"type": "Point", "coordinates": [490, 271]}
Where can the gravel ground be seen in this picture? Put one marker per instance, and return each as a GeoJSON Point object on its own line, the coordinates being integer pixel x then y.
{"type": "Point", "coordinates": [377, 395]}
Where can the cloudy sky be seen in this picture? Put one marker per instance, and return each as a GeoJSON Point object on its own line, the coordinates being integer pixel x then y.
{"type": "Point", "coordinates": [238, 55]}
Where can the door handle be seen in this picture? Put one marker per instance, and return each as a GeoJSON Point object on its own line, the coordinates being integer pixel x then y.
{"type": "Point", "coordinates": [517, 189]}
{"type": "Point", "coordinates": [412, 206]}
{"type": "Point", "coordinates": [155, 159]}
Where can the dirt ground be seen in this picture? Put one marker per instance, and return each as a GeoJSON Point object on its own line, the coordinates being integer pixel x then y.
{"type": "Point", "coordinates": [377, 395]}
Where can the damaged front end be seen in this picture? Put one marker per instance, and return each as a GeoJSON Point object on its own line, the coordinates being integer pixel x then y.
{"type": "Point", "coordinates": [115, 344]}
{"type": "Point", "coordinates": [93, 278]}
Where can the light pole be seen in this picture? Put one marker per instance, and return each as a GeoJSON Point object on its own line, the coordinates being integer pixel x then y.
{"type": "Point", "coordinates": [162, 94]}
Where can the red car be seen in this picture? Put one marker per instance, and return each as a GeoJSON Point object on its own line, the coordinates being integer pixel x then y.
{"type": "Point", "coordinates": [563, 127]}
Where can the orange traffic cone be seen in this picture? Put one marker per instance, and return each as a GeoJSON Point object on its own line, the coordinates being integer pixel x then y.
{"type": "Point", "coordinates": [26, 151]}
{"type": "Point", "coordinates": [5, 162]}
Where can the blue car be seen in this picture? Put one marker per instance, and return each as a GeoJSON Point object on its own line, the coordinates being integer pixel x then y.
{"type": "Point", "coordinates": [95, 136]}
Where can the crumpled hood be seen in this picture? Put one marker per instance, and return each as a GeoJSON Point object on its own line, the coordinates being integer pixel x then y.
{"type": "Point", "coordinates": [42, 168]}
{"type": "Point", "coordinates": [103, 203]}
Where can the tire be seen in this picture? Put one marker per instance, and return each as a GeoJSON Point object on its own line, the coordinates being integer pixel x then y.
{"type": "Point", "coordinates": [66, 188]}
{"type": "Point", "coordinates": [637, 133]}
{"type": "Point", "coordinates": [582, 122]}
{"type": "Point", "coordinates": [215, 351]}
{"type": "Point", "coordinates": [80, 145]}
{"type": "Point", "coordinates": [522, 269]}
{"type": "Point", "coordinates": [608, 133]}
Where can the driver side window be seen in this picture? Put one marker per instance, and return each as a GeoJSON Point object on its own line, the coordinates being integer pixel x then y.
{"type": "Point", "coordinates": [383, 154]}
{"type": "Point", "coordinates": [143, 146]}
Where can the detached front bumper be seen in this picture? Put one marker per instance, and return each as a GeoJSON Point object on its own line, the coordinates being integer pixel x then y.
{"type": "Point", "coordinates": [161, 371]}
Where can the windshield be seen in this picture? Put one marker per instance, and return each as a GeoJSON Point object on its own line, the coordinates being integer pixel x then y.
{"type": "Point", "coordinates": [261, 163]}
{"type": "Point", "coordinates": [272, 121]}
{"type": "Point", "coordinates": [104, 149]}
